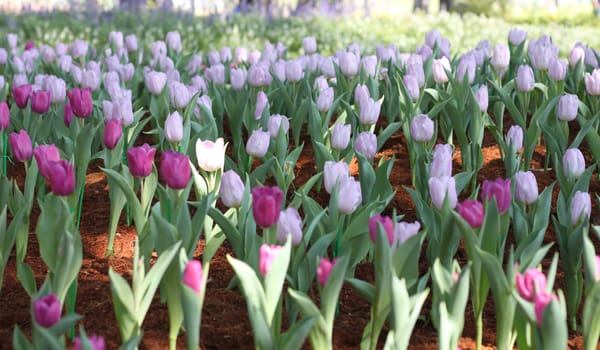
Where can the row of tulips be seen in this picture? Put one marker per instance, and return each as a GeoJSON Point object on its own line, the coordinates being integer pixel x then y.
{"type": "Point", "coordinates": [260, 102]}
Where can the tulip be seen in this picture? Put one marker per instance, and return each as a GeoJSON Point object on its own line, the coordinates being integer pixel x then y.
{"type": "Point", "coordinates": [140, 160]}
{"type": "Point", "coordinates": [81, 102]}
{"type": "Point", "coordinates": [581, 207]}
{"type": "Point", "coordinates": [558, 69]}
{"type": "Point", "coordinates": [387, 224]}
{"type": "Point", "coordinates": [175, 169]}
{"type": "Point", "coordinates": [369, 65]}
{"type": "Point", "coordinates": [514, 137]}
{"type": "Point", "coordinates": [210, 155]}
{"type": "Point", "coordinates": [216, 74]}
{"type": "Point", "coordinates": [412, 86]}
{"type": "Point", "coordinates": [79, 48]}
{"type": "Point", "coordinates": [530, 284]}
{"type": "Point", "coordinates": [173, 40]}
{"type": "Point", "coordinates": [309, 44]}
{"type": "Point", "coordinates": [320, 84]}
{"type": "Point", "coordinates": [482, 98]}
{"type": "Point", "coordinates": [361, 93]}
{"type": "Point", "coordinates": [573, 163]}
{"type": "Point", "coordinates": [441, 164]}
{"type": "Point", "coordinates": [333, 173]}
{"type": "Point", "coordinates": [112, 133]}
{"type": "Point", "coordinates": [68, 114]}
{"type": "Point", "coordinates": [259, 75]}
{"type": "Point", "coordinates": [232, 189]}
{"type": "Point", "coordinates": [498, 189]}
{"type": "Point", "coordinates": [350, 195]}
{"type": "Point", "coordinates": [597, 275]}
{"type": "Point", "coordinates": [526, 189]}
{"type": "Point", "coordinates": [542, 53]}
{"type": "Point", "coordinates": [3, 55]}
{"type": "Point", "coordinates": [472, 211]}
{"type": "Point", "coordinates": [262, 102]}
{"type": "Point", "coordinates": [349, 64]}
{"type": "Point", "coordinates": [266, 205]}
{"type": "Point", "coordinates": [289, 223]}
{"type": "Point", "coordinates": [4, 116]}
{"type": "Point", "coordinates": [369, 111]}
{"type": "Point", "coordinates": [541, 300]}
{"type": "Point", "coordinates": [155, 82]}
{"type": "Point", "coordinates": [174, 128]}
{"type": "Point", "coordinates": [327, 67]}
{"type": "Point", "coordinates": [517, 36]}
{"type": "Point", "coordinates": [324, 270]}
{"type": "Point", "coordinates": [440, 188]}
{"type": "Point", "coordinates": [43, 155]}
{"type": "Point", "coordinates": [501, 57]}
{"type": "Point", "coordinates": [421, 128]}
{"type": "Point", "coordinates": [438, 70]}
{"type": "Point", "coordinates": [238, 78]}
{"type": "Point", "coordinates": [466, 69]}
{"type": "Point", "coordinates": [62, 177]}
{"type": "Point", "coordinates": [592, 82]}
{"type": "Point", "coordinates": [576, 55]}
{"type": "Point", "coordinates": [366, 143]}
{"type": "Point", "coordinates": [340, 136]}
{"type": "Point", "coordinates": [278, 123]}
{"type": "Point", "coordinates": [525, 78]}
{"type": "Point", "coordinates": [568, 105]}
{"type": "Point", "coordinates": [279, 70]}
{"type": "Point", "coordinates": [21, 94]}
{"type": "Point", "coordinates": [225, 54]}
{"type": "Point", "coordinates": [258, 143]}
{"type": "Point", "coordinates": [20, 143]}
{"type": "Point", "coordinates": [47, 310]}
{"type": "Point", "coordinates": [90, 79]}
{"type": "Point", "coordinates": [415, 69]}
{"type": "Point", "coordinates": [325, 99]}
{"type": "Point", "coordinates": [192, 275]}
{"type": "Point", "coordinates": [405, 230]}
{"type": "Point", "coordinates": [293, 71]}
{"type": "Point", "coordinates": [179, 94]}
{"type": "Point", "coordinates": [57, 89]}
{"type": "Point", "coordinates": [267, 256]}
{"type": "Point", "coordinates": [97, 343]}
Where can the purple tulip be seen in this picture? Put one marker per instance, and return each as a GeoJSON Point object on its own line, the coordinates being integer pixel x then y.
{"type": "Point", "coordinates": [581, 207]}
{"type": "Point", "coordinates": [175, 169]}
{"type": "Point", "coordinates": [156, 81]}
{"type": "Point", "coordinates": [466, 68]}
{"type": "Point", "coordinates": [289, 223]}
{"type": "Point", "coordinates": [324, 270]}
{"type": "Point", "coordinates": [333, 173]}
{"type": "Point", "coordinates": [514, 137]}
{"type": "Point", "coordinates": [262, 102]}
{"type": "Point", "coordinates": [47, 310]}
{"type": "Point", "coordinates": [276, 123]}
{"type": "Point", "coordinates": [259, 75]}
{"type": "Point", "coordinates": [472, 211]}
{"type": "Point", "coordinates": [40, 101]}
{"type": "Point", "coordinates": [43, 155]}
{"type": "Point", "coordinates": [501, 57]}
{"type": "Point", "coordinates": [405, 230]}
{"type": "Point", "coordinates": [542, 299]}
{"type": "Point", "coordinates": [387, 224]}
{"type": "Point", "coordinates": [309, 44]}
{"type": "Point", "coordinates": [179, 94]}
{"type": "Point", "coordinates": [112, 133]}
{"type": "Point", "coordinates": [517, 36]}
{"type": "Point", "coordinates": [568, 105]}
{"type": "Point", "coordinates": [558, 69]}
{"type": "Point", "coordinates": [530, 284]}
{"type": "Point", "coordinates": [97, 342]}
{"type": "Point", "coordinates": [325, 99]}
{"type": "Point", "coordinates": [68, 114]}
{"type": "Point", "coordinates": [238, 79]}
{"type": "Point", "coordinates": [232, 189]}
{"type": "Point", "coordinates": [414, 68]}
{"type": "Point", "coordinates": [192, 275]}
{"type": "Point", "coordinates": [421, 128]}
{"type": "Point", "coordinates": [266, 205]}
{"type": "Point", "coordinates": [498, 189]}
{"type": "Point", "coordinates": [258, 143]}
{"type": "Point", "coordinates": [61, 175]}
{"type": "Point", "coordinates": [21, 94]}
{"type": "Point", "coordinates": [350, 195]}
{"type": "Point", "coordinates": [225, 54]}
{"type": "Point", "coordinates": [592, 82]}
{"type": "Point", "coordinates": [81, 102]}
{"type": "Point", "coordinates": [293, 71]}
{"type": "Point", "coordinates": [526, 188]}
{"type": "Point", "coordinates": [576, 55]}
{"type": "Point", "coordinates": [542, 53]}
{"type": "Point", "coordinates": [440, 188]}
{"type": "Point", "coordinates": [573, 163]}
{"type": "Point", "coordinates": [366, 143]}
{"type": "Point", "coordinates": [438, 70]}
{"type": "Point", "coordinates": [525, 78]}
{"type": "Point", "coordinates": [140, 160]}
{"type": "Point", "coordinates": [20, 143]}
{"type": "Point", "coordinates": [267, 256]}
{"type": "Point", "coordinates": [173, 40]}
{"type": "Point", "coordinates": [4, 116]}
{"type": "Point", "coordinates": [441, 164]}
{"type": "Point", "coordinates": [369, 65]}
{"type": "Point", "coordinates": [340, 136]}
{"type": "Point", "coordinates": [369, 111]}
{"type": "Point", "coordinates": [412, 86]}
{"type": "Point", "coordinates": [174, 127]}
{"type": "Point", "coordinates": [349, 64]}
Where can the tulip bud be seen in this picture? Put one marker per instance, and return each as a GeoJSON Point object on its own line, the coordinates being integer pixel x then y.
{"type": "Point", "coordinates": [472, 211]}
{"type": "Point", "coordinates": [174, 128]}
{"type": "Point", "coordinates": [47, 310]}
{"type": "Point", "coordinates": [210, 155]}
{"type": "Point", "coordinates": [179, 94]}
{"type": "Point", "coordinates": [421, 128]}
{"type": "Point", "coordinates": [568, 106]}
{"type": "Point", "coordinates": [412, 87]}
{"type": "Point", "coordinates": [4, 116]}
{"type": "Point", "coordinates": [68, 114]}
{"type": "Point", "coordinates": [81, 102]}
{"type": "Point", "coordinates": [324, 270]}
{"type": "Point", "coordinates": [573, 163]}
{"type": "Point", "coordinates": [276, 123]}
{"type": "Point", "coordinates": [62, 177]}
{"type": "Point", "coordinates": [309, 44]}
{"type": "Point", "coordinates": [482, 98]}
{"type": "Point", "coordinates": [232, 189]}
{"type": "Point", "coordinates": [155, 82]}
{"type": "Point", "coordinates": [57, 89]}
{"type": "Point", "coordinates": [438, 69]}
{"type": "Point", "coordinates": [525, 78]}
{"type": "Point", "coordinates": [558, 69]}
{"type": "Point", "coordinates": [266, 205]}
{"type": "Point", "coordinates": [340, 136]}
{"type": "Point", "coordinates": [175, 169]}
{"type": "Point", "coordinates": [349, 64]}
{"type": "Point", "coordinates": [20, 143]}
{"type": "Point", "coordinates": [96, 342]}
{"type": "Point", "coordinates": [498, 189]}
{"type": "Point", "coordinates": [405, 230]}
{"type": "Point", "coordinates": [192, 275]}
{"type": "Point", "coordinates": [466, 68]}
{"type": "Point", "coordinates": [43, 155]}
{"type": "Point", "coordinates": [387, 224]}
{"type": "Point", "coordinates": [333, 173]}
{"type": "Point", "coordinates": [173, 40]}
{"type": "Point", "coordinates": [258, 143]}
{"type": "Point", "coordinates": [349, 195]}
{"type": "Point", "coordinates": [592, 82]}
{"type": "Point", "coordinates": [293, 71]}
{"type": "Point", "coordinates": [21, 94]}
{"type": "Point", "coordinates": [530, 284]}
{"type": "Point", "coordinates": [216, 74]}
{"type": "Point", "coordinates": [415, 69]}
{"type": "Point", "coordinates": [225, 54]}
{"type": "Point", "coordinates": [441, 164]}
{"type": "Point", "coordinates": [581, 207]}
{"type": "Point", "coordinates": [112, 133]}
{"type": "Point", "coordinates": [325, 99]}
{"type": "Point", "coordinates": [542, 299]}
{"type": "Point", "coordinates": [289, 223]}
{"type": "Point", "coordinates": [262, 102]}
{"type": "Point", "coordinates": [440, 188]}
{"type": "Point", "coordinates": [526, 189]}
{"type": "Point", "coordinates": [501, 57]}
{"type": "Point", "coordinates": [140, 160]}
{"type": "Point", "coordinates": [369, 64]}
{"type": "Point", "coordinates": [40, 101]}
{"type": "Point", "coordinates": [366, 143]}
{"type": "Point", "coordinates": [238, 79]}
{"type": "Point", "coordinates": [576, 55]}
{"type": "Point", "coordinates": [597, 275]}
{"type": "Point", "coordinates": [267, 256]}
{"type": "Point", "coordinates": [517, 36]}
{"type": "Point", "coordinates": [369, 111]}
{"type": "Point", "coordinates": [514, 137]}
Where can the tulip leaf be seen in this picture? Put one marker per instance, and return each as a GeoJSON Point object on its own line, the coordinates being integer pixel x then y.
{"type": "Point", "coordinates": [296, 335]}
{"type": "Point", "coordinates": [273, 282]}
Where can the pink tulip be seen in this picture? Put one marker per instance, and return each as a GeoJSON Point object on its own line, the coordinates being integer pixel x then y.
{"type": "Point", "coordinates": [20, 143]}
{"type": "Point", "coordinates": [267, 256]}
{"type": "Point", "coordinates": [61, 175]}
{"type": "Point", "coordinates": [192, 275]}
{"type": "Point", "coordinates": [140, 160]}
{"type": "Point", "coordinates": [542, 299]}
{"type": "Point", "coordinates": [40, 101]}
{"type": "Point", "coordinates": [324, 270]}
{"type": "Point", "coordinates": [530, 284]}
{"type": "Point", "coordinates": [472, 211]}
{"type": "Point", "coordinates": [112, 133]}
{"type": "Point", "coordinates": [500, 190]}
{"type": "Point", "coordinates": [43, 155]}
{"type": "Point", "coordinates": [47, 310]}
{"type": "Point", "coordinates": [21, 95]}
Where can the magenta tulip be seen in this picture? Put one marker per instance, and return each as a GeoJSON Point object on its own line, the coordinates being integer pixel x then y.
{"type": "Point", "coordinates": [97, 342]}
{"type": "Point", "coordinates": [47, 310]}
{"type": "Point", "coordinates": [387, 224]}
{"type": "Point", "coordinates": [21, 95]}
{"type": "Point", "coordinates": [175, 169]}
{"type": "Point", "coordinates": [500, 190]}
{"type": "Point", "coordinates": [112, 133]}
{"type": "Point", "coordinates": [20, 143]}
{"type": "Point", "coordinates": [81, 102]}
{"type": "Point", "coordinates": [324, 270]}
{"type": "Point", "coordinates": [4, 116]}
{"type": "Point", "coordinates": [192, 275]}
{"type": "Point", "coordinates": [266, 205]}
{"type": "Point", "coordinates": [140, 160]}
{"type": "Point", "coordinates": [530, 284]}
{"type": "Point", "coordinates": [472, 211]}
{"type": "Point", "coordinates": [61, 175]}
{"type": "Point", "coordinates": [43, 155]}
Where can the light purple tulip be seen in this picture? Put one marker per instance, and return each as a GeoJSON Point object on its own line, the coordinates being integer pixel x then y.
{"type": "Point", "coordinates": [415, 69]}
{"type": "Point", "coordinates": [421, 128]}
{"type": "Point", "coordinates": [325, 99]}
{"type": "Point", "coordinates": [568, 106]}
{"type": "Point", "coordinates": [369, 111]}
{"type": "Point", "coordinates": [576, 55]}
{"type": "Point", "coordinates": [405, 230]}
{"type": "Point", "coordinates": [440, 188]}
{"type": "Point", "coordinates": [466, 68]}
{"type": "Point", "coordinates": [482, 98]}
{"type": "Point", "coordinates": [173, 40]}
{"type": "Point", "coordinates": [581, 207]}
{"type": "Point", "coordinates": [592, 82]}
{"type": "Point", "coordinates": [369, 64]}
{"type": "Point", "coordinates": [258, 143]}
{"type": "Point", "coordinates": [514, 137]}
{"type": "Point", "coordinates": [262, 103]}
{"type": "Point", "coordinates": [232, 189]}
{"type": "Point", "coordinates": [366, 143]}
{"type": "Point", "coordinates": [293, 71]}
{"type": "Point", "coordinates": [238, 78]}
{"type": "Point", "coordinates": [573, 163]}
{"type": "Point", "coordinates": [350, 195]}
{"type": "Point", "coordinates": [174, 128]}
{"type": "Point", "coordinates": [361, 93]}
{"type": "Point", "coordinates": [340, 136]}
{"type": "Point", "coordinates": [309, 44]}
{"type": "Point", "coordinates": [526, 188]}
{"type": "Point", "coordinates": [289, 223]}
{"type": "Point", "coordinates": [517, 36]}
{"type": "Point", "coordinates": [501, 57]}
{"type": "Point", "coordinates": [558, 68]}
{"type": "Point", "coordinates": [259, 75]}
{"type": "Point", "coordinates": [349, 63]}
{"type": "Point", "coordinates": [412, 86]}
{"type": "Point", "coordinates": [438, 70]}
{"type": "Point", "coordinates": [276, 123]}
{"type": "Point", "coordinates": [525, 78]}
{"type": "Point", "coordinates": [333, 172]}
{"type": "Point", "coordinates": [441, 164]}
{"type": "Point", "coordinates": [179, 94]}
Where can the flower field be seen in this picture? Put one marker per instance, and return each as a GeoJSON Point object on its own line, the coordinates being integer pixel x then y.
{"type": "Point", "coordinates": [160, 188]}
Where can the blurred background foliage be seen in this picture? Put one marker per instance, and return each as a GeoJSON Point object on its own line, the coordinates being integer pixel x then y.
{"type": "Point", "coordinates": [210, 24]}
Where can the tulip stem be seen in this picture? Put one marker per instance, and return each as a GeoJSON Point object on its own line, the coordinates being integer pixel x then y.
{"type": "Point", "coordinates": [70, 303]}
{"type": "Point", "coordinates": [79, 206]}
